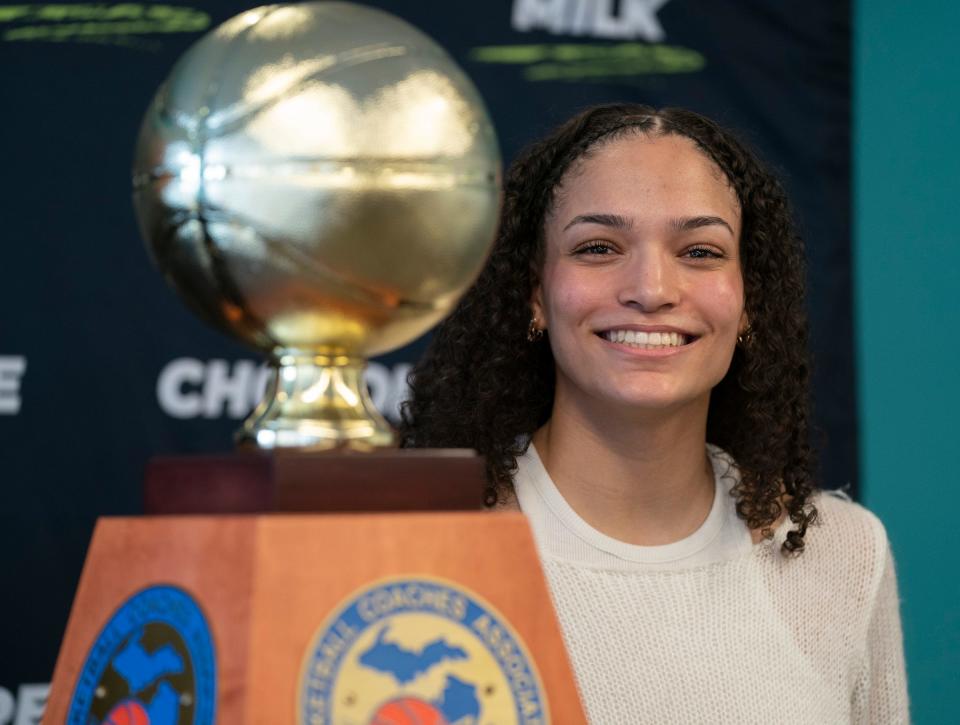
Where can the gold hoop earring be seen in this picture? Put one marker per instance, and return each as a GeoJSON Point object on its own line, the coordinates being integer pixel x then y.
{"type": "Point", "coordinates": [534, 333]}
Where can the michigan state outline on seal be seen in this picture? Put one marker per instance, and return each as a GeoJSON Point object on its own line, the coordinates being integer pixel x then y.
{"type": "Point", "coordinates": [418, 650]}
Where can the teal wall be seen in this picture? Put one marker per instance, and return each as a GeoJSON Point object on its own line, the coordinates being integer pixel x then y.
{"type": "Point", "coordinates": [907, 277]}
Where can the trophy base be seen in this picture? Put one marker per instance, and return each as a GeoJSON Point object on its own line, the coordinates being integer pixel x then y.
{"type": "Point", "coordinates": [305, 481]}
{"type": "Point", "coordinates": [317, 402]}
{"type": "Point", "coordinates": [315, 435]}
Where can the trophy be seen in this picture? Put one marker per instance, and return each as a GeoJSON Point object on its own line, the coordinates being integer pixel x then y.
{"type": "Point", "coordinates": [320, 181]}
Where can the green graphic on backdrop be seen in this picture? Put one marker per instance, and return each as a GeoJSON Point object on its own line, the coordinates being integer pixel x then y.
{"type": "Point", "coordinates": [591, 61]}
{"type": "Point", "coordinates": [87, 22]}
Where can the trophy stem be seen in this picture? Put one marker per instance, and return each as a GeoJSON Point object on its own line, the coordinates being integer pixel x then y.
{"type": "Point", "coordinates": [317, 402]}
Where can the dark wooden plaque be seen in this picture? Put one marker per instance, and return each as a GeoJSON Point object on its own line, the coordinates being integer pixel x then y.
{"type": "Point", "coordinates": [294, 481]}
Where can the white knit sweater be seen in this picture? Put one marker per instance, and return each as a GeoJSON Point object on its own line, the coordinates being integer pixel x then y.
{"type": "Point", "coordinates": [715, 629]}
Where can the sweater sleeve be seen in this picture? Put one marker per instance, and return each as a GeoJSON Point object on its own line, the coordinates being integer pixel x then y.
{"type": "Point", "coordinates": [881, 693]}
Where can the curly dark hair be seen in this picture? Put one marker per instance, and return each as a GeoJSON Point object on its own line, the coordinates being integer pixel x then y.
{"type": "Point", "coordinates": [481, 385]}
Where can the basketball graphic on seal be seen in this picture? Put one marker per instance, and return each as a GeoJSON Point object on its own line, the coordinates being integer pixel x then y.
{"type": "Point", "coordinates": [128, 712]}
{"type": "Point", "coordinates": [408, 711]}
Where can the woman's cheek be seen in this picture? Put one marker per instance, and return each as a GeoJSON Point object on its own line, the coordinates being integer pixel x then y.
{"type": "Point", "coordinates": [576, 297]}
{"type": "Point", "coordinates": [727, 297]}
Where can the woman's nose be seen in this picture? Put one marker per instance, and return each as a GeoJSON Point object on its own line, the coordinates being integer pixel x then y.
{"type": "Point", "coordinates": [649, 282]}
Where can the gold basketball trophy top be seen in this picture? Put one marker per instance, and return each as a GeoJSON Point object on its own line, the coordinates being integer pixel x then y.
{"type": "Point", "coordinates": [322, 182]}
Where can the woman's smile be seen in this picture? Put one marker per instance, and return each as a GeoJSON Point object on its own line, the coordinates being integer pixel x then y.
{"type": "Point", "coordinates": [642, 343]}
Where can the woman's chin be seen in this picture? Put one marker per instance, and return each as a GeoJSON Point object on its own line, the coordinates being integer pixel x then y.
{"type": "Point", "coordinates": [649, 402]}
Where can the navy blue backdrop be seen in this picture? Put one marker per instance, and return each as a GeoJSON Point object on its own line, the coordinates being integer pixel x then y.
{"type": "Point", "coordinates": [101, 366]}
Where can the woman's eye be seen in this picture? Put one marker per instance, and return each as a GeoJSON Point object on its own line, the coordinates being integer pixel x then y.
{"type": "Point", "coordinates": [703, 253]}
{"type": "Point", "coordinates": [594, 248]}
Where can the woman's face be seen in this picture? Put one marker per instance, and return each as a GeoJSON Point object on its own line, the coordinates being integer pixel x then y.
{"type": "Point", "coordinates": [641, 291]}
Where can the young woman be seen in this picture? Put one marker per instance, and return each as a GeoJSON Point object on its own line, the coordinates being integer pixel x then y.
{"type": "Point", "coordinates": [633, 364]}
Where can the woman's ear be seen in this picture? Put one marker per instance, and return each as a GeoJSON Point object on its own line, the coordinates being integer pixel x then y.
{"type": "Point", "coordinates": [536, 306]}
{"type": "Point", "coordinates": [537, 322]}
{"type": "Point", "coordinates": [744, 333]}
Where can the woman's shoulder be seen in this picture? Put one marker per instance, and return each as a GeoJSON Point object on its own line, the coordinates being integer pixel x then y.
{"type": "Point", "coordinates": [846, 550]}
{"type": "Point", "coordinates": [846, 525]}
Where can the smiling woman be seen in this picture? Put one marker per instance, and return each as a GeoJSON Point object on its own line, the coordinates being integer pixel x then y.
{"type": "Point", "coordinates": [632, 362]}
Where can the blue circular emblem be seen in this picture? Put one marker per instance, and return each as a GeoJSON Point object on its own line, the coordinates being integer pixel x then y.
{"type": "Point", "coordinates": [152, 664]}
{"type": "Point", "coordinates": [421, 651]}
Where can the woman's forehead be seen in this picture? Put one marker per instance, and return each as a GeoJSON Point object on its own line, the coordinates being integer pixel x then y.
{"type": "Point", "coordinates": [640, 175]}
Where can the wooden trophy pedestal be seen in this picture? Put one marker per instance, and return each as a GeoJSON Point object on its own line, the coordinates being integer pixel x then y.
{"type": "Point", "coordinates": [277, 592]}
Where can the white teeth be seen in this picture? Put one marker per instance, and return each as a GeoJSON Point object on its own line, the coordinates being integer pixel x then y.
{"type": "Point", "coordinates": [646, 340]}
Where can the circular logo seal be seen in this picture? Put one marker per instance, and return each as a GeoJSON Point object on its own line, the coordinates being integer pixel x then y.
{"type": "Point", "coordinates": [152, 664]}
{"type": "Point", "coordinates": [418, 651]}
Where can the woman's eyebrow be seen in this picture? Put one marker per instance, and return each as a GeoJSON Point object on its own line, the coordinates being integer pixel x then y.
{"type": "Point", "coordinates": [608, 220]}
{"type": "Point", "coordinates": [686, 224]}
